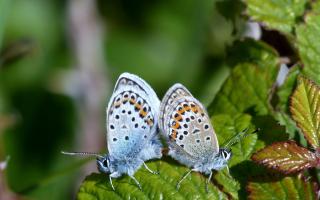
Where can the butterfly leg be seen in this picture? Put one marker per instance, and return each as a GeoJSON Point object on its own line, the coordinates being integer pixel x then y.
{"type": "Point", "coordinates": [110, 180]}
{"type": "Point", "coordinates": [184, 177]}
{"type": "Point", "coordinates": [146, 166]}
{"type": "Point", "coordinates": [207, 182]}
{"type": "Point", "coordinates": [137, 182]}
{"type": "Point", "coordinates": [228, 169]}
{"type": "Point", "coordinates": [113, 175]}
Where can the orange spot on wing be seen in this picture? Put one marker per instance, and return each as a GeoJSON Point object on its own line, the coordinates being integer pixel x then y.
{"type": "Point", "coordinates": [142, 113]}
{"type": "Point", "coordinates": [132, 101]}
{"type": "Point", "coordinates": [178, 118]}
{"type": "Point", "coordinates": [187, 108]}
{"type": "Point", "coordinates": [117, 103]}
{"type": "Point", "coordinates": [181, 111]}
{"type": "Point", "coordinates": [195, 109]}
{"type": "Point", "coordinates": [137, 106]}
{"type": "Point", "coordinates": [176, 126]}
{"type": "Point", "coordinates": [173, 135]}
{"type": "Point", "coordinates": [150, 122]}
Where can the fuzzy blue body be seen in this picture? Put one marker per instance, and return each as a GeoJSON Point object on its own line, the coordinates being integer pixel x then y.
{"type": "Point", "coordinates": [117, 167]}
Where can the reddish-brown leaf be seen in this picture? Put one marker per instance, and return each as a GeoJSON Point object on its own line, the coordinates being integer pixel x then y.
{"type": "Point", "coordinates": [286, 157]}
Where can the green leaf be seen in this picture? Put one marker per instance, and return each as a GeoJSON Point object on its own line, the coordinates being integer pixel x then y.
{"type": "Point", "coordinates": [96, 186]}
{"type": "Point", "coordinates": [162, 186]}
{"type": "Point", "coordinates": [227, 126]}
{"type": "Point", "coordinates": [305, 110]}
{"type": "Point", "coordinates": [282, 107]}
{"type": "Point", "coordinates": [286, 188]}
{"type": "Point", "coordinates": [246, 88]}
{"type": "Point", "coordinates": [280, 15]}
{"type": "Point", "coordinates": [252, 51]}
{"type": "Point", "coordinates": [308, 45]}
{"type": "Point", "coordinates": [286, 157]}
{"type": "Point", "coordinates": [248, 85]}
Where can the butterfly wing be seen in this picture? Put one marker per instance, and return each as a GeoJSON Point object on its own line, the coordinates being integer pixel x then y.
{"type": "Point", "coordinates": [186, 124]}
{"type": "Point", "coordinates": [132, 116]}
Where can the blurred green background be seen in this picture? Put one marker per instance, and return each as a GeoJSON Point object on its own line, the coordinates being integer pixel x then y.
{"type": "Point", "coordinates": [60, 59]}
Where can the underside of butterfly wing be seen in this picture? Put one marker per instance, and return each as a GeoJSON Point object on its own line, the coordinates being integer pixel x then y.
{"type": "Point", "coordinates": [187, 125]}
{"type": "Point", "coordinates": [132, 118]}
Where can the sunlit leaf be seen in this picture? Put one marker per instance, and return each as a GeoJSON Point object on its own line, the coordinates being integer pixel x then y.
{"type": "Point", "coordinates": [308, 45]}
{"type": "Point", "coordinates": [248, 86]}
{"type": "Point", "coordinates": [287, 188]}
{"type": "Point", "coordinates": [280, 15]}
{"type": "Point", "coordinates": [286, 157]}
{"type": "Point", "coordinates": [305, 110]}
{"type": "Point", "coordinates": [162, 186]}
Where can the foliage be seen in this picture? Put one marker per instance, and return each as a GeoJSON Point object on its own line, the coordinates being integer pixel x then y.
{"type": "Point", "coordinates": [297, 187]}
{"type": "Point", "coordinates": [96, 186]}
{"type": "Point", "coordinates": [305, 110]}
{"type": "Point", "coordinates": [273, 14]}
{"type": "Point", "coordinates": [286, 157]}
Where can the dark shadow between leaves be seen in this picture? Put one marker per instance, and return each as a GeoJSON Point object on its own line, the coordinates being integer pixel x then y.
{"type": "Point", "coordinates": [270, 130]}
{"type": "Point", "coordinates": [244, 171]}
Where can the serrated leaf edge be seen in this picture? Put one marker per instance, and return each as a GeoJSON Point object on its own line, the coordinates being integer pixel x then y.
{"type": "Point", "coordinates": [314, 185]}
{"type": "Point", "coordinates": [301, 80]}
{"type": "Point", "coordinates": [316, 162]}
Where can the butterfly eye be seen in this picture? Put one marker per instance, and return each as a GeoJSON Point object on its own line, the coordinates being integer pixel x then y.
{"type": "Point", "coordinates": [106, 163]}
{"type": "Point", "coordinates": [226, 154]}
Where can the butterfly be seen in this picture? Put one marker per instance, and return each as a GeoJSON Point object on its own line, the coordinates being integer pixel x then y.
{"type": "Point", "coordinates": [191, 138]}
{"type": "Point", "coordinates": [132, 129]}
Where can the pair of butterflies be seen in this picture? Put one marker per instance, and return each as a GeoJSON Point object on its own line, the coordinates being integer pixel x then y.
{"type": "Point", "coordinates": [134, 116]}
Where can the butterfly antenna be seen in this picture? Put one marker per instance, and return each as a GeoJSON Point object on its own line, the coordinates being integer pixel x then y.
{"type": "Point", "coordinates": [239, 136]}
{"type": "Point", "coordinates": [82, 154]}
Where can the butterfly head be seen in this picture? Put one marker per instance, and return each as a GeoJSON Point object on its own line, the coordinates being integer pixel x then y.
{"type": "Point", "coordinates": [103, 164]}
{"type": "Point", "coordinates": [222, 158]}
{"type": "Point", "coordinates": [225, 153]}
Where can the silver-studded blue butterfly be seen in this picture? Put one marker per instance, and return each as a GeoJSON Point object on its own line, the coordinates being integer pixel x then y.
{"type": "Point", "coordinates": [191, 138]}
{"type": "Point", "coordinates": [132, 129]}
